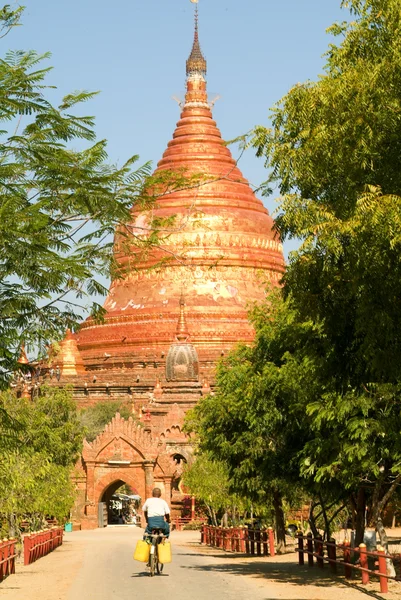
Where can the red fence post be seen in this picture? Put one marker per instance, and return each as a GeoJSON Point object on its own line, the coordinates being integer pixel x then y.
{"type": "Point", "coordinates": [226, 539]}
{"type": "Point", "coordinates": [347, 559]}
{"type": "Point", "coordinates": [310, 549]}
{"type": "Point", "coordinates": [229, 541]}
{"type": "Point", "coordinates": [258, 540]}
{"type": "Point", "coordinates": [265, 542]}
{"type": "Point", "coordinates": [363, 561]}
{"type": "Point", "coordinates": [233, 539]}
{"type": "Point", "coordinates": [242, 539]}
{"type": "Point", "coordinates": [34, 547]}
{"type": "Point", "coordinates": [332, 554]}
{"type": "Point", "coordinates": [382, 570]}
{"type": "Point", "coordinates": [252, 538]}
{"type": "Point", "coordinates": [272, 548]}
{"type": "Point", "coordinates": [1, 564]}
{"type": "Point", "coordinates": [319, 551]}
{"type": "Point", "coordinates": [41, 544]}
{"type": "Point", "coordinates": [301, 558]}
{"type": "Point", "coordinates": [26, 550]}
{"type": "Point", "coordinates": [6, 553]}
{"type": "Point", "coordinates": [247, 544]}
{"type": "Point", "coordinates": [12, 562]}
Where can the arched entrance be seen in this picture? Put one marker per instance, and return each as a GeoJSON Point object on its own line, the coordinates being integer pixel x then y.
{"type": "Point", "coordinates": [118, 504]}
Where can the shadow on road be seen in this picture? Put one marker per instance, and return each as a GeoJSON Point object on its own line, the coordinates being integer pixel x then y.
{"type": "Point", "coordinates": [282, 572]}
{"type": "Point", "coordinates": [285, 572]}
{"type": "Point", "coordinates": [135, 575]}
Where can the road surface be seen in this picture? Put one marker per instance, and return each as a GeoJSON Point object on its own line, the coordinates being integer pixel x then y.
{"type": "Point", "coordinates": [98, 565]}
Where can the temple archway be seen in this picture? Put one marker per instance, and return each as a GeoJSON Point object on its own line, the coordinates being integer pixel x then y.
{"type": "Point", "coordinates": [118, 505]}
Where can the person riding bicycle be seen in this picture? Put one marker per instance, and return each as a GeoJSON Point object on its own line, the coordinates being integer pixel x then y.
{"type": "Point", "coordinates": [157, 513]}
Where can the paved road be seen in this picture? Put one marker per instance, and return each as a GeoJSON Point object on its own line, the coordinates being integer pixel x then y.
{"type": "Point", "coordinates": [98, 565]}
{"type": "Point", "coordinates": [109, 572]}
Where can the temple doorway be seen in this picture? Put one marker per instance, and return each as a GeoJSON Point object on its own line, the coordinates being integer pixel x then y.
{"type": "Point", "coordinates": [119, 505]}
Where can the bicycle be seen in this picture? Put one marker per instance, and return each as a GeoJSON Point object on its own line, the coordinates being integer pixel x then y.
{"type": "Point", "coordinates": [156, 537]}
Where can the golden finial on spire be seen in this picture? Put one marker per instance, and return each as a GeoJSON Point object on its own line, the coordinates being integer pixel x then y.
{"type": "Point", "coordinates": [196, 63]}
{"type": "Point", "coordinates": [182, 331]}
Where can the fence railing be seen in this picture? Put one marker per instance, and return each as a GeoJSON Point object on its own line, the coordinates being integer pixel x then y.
{"type": "Point", "coordinates": [316, 548]}
{"type": "Point", "coordinates": [40, 543]}
{"type": "Point", "coordinates": [7, 558]}
{"type": "Point", "coordinates": [256, 542]}
{"type": "Point", "coordinates": [179, 522]}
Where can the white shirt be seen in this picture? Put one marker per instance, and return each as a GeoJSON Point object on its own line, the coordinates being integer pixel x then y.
{"type": "Point", "coordinates": [156, 507]}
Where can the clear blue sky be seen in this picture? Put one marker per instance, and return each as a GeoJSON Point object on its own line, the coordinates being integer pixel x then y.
{"type": "Point", "coordinates": [134, 52]}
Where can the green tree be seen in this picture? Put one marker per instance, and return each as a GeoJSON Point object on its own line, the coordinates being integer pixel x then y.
{"type": "Point", "coordinates": [207, 479]}
{"type": "Point", "coordinates": [95, 418]}
{"type": "Point", "coordinates": [333, 151]}
{"type": "Point", "coordinates": [254, 419]}
{"type": "Point", "coordinates": [59, 207]}
{"type": "Point", "coordinates": [38, 461]}
{"type": "Point", "coordinates": [331, 138]}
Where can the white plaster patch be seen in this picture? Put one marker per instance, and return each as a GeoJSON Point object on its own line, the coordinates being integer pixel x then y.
{"type": "Point", "coordinates": [132, 305]}
{"type": "Point", "coordinates": [110, 305]}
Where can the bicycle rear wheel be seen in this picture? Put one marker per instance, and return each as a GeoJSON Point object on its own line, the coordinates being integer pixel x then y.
{"type": "Point", "coordinates": [159, 567]}
{"type": "Point", "coordinates": [152, 563]}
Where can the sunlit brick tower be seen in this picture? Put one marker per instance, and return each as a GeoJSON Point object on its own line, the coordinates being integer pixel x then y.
{"type": "Point", "coordinates": [168, 322]}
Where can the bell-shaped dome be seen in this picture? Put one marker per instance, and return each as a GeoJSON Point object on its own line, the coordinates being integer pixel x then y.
{"type": "Point", "coordinates": [220, 249]}
{"type": "Point", "coordinates": [182, 359]}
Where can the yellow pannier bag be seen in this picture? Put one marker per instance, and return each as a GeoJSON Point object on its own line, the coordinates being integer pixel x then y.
{"type": "Point", "coordinates": [142, 551]}
{"type": "Point", "coordinates": [164, 552]}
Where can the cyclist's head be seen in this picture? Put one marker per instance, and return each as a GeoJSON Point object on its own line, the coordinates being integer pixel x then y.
{"type": "Point", "coordinates": [157, 492]}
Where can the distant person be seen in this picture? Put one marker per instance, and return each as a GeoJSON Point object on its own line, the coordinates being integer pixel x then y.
{"type": "Point", "coordinates": [157, 513]}
{"type": "Point", "coordinates": [58, 373]}
{"type": "Point", "coordinates": [51, 373]}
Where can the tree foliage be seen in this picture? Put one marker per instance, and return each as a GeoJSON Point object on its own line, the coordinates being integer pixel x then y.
{"type": "Point", "coordinates": [207, 480]}
{"type": "Point", "coordinates": [95, 418]}
{"type": "Point", "coordinates": [316, 398]}
{"type": "Point", "coordinates": [331, 138]}
{"type": "Point", "coordinates": [38, 453]}
{"type": "Point", "coordinates": [59, 207]}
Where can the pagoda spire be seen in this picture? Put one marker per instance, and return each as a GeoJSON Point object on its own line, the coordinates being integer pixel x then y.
{"type": "Point", "coordinates": [23, 359]}
{"type": "Point", "coordinates": [196, 95]}
{"type": "Point", "coordinates": [182, 331]}
{"type": "Point", "coordinates": [196, 63]}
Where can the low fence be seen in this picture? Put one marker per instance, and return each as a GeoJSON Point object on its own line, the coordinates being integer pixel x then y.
{"type": "Point", "coordinates": [316, 548]}
{"type": "Point", "coordinates": [40, 543]}
{"type": "Point", "coordinates": [7, 558]}
{"type": "Point", "coordinates": [179, 522]}
{"type": "Point", "coordinates": [256, 542]}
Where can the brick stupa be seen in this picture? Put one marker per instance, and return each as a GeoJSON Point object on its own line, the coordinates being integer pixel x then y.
{"type": "Point", "coordinates": [172, 316]}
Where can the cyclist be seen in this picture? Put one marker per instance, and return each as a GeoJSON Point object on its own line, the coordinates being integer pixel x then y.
{"type": "Point", "coordinates": [157, 513]}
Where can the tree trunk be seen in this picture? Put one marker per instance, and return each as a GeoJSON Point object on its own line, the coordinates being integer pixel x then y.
{"type": "Point", "coordinates": [12, 527]}
{"type": "Point", "coordinates": [360, 516]}
{"type": "Point", "coordinates": [327, 531]}
{"type": "Point", "coordinates": [311, 520]}
{"type": "Point", "coordinates": [280, 521]}
{"type": "Point", "coordinates": [384, 543]}
{"type": "Point", "coordinates": [209, 510]}
{"type": "Point", "coordinates": [378, 507]}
